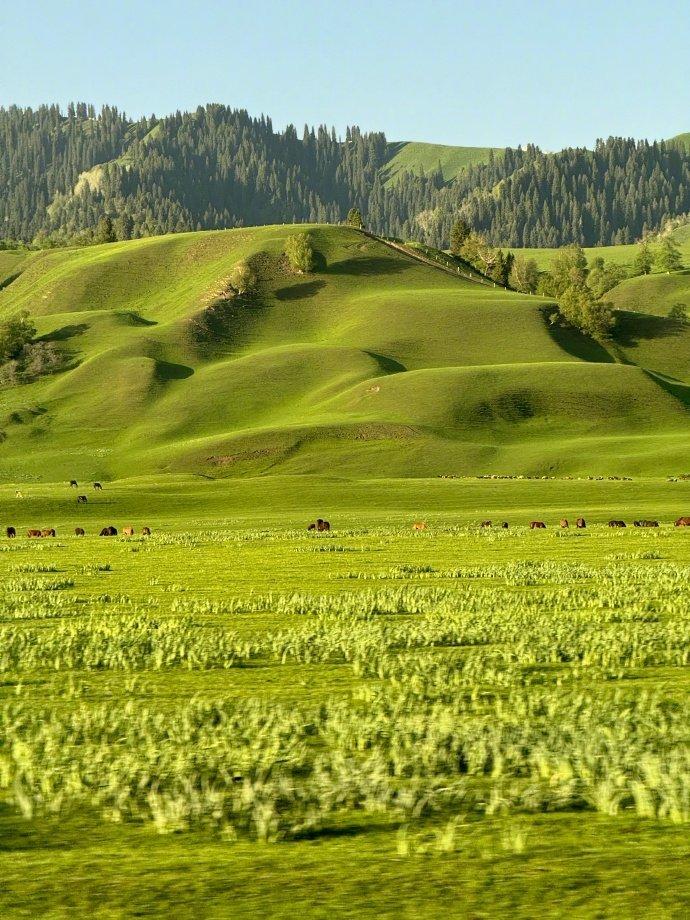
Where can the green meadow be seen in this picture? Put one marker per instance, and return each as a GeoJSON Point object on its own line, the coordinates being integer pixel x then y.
{"type": "Point", "coordinates": [238, 717]}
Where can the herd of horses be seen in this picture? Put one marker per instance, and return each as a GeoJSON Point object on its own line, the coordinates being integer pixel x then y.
{"type": "Point", "coordinates": [78, 532]}
{"type": "Point", "coordinates": [580, 524]}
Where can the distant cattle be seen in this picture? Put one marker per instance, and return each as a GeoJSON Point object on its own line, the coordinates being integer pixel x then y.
{"type": "Point", "coordinates": [11, 532]}
{"type": "Point", "coordinates": [564, 523]}
{"type": "Point", "coordinates": [98, 486]}
{"type": "Point", "coordinates": [48, 532]}
{"type": "Point", "coordinates": [320, 525]}
{"type": "Point", "coordinates": [581, 524]}
{"type": "Point", "coordinates": [127, 531]}
{"type": "Point", "coordinates": [683, 522]}
{"type": "Point", "coordinates": [485, 524]}
{"type": "Point", "coordinates": [33, 533]}
{"type": "Point", "coordinates": [79, 532]}
{"type": "Point", "coordinates": [504, 525]}
{"type": "Point", "coordinates": [108, 532]}
{"type": "Point", "coordinates": [616, 523]}
{"type": "Point", "coordinates": [81, 499]}
{"type": "Point", "coordinates": [146, 531]}
{"type": "Point", "coordinates": [419, 525]}
{"type": "Point", "coordinates": [73, 483]}
{"type": "Point", "coordinates": [646, 523]}
{"type": "Point", "coordinates": [537, 525]}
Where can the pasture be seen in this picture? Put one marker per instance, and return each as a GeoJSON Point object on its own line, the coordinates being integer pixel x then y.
{"type": "Point", "coordinates": [236, 717]}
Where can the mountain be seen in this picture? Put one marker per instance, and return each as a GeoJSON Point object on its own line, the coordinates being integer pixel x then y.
{"type": "Point", "coordinates": [216, 167]}
{"type": "Point", "coordinates": [373, 365]}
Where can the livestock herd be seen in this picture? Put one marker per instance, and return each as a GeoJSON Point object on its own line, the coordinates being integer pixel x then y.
{"type": "Point", "coordinates": [580, 524]}
{"type": "Point", "coordinates": [109, 531]}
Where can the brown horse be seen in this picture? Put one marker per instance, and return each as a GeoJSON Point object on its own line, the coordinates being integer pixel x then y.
{"type": "Point", "coordinates": [33, 533]}
{"type": "Point", "coordinates": [537, 525]}
{"type": "Point", "coordinates": [419, 525]}
{"type": "Point", "coordinates": [146, 531]}
{"type": "Point", "coordinates": [581, 524]}
{"type": "Point", "coordinates": [82, 499]}
{"type": "Point", "coordinates": [98, 487]}
{"type": "Point", "coordinates": [564, 523]}
{"type": "Point", "coordinates": [504, 525]}
{"type": "Point", "coordinates": [79, 532]}
{"type": "Point", "coordinates": [322, 525]}
{"type": "Point", "coordinates": [617, 524]}
{"type": "Point", "coordinates": [683, 522]}
{"type": "Point", "coordinates": [108, 532]}
{"type": "Point", "coordinates": [485, 524]}
{"type": "Point", "coordinates": [646, 523]}
{"type": "Point", "coordinates": [127, 531]}
{"type": "Point", "coordinates": [11, 532]}
{"type": "Point", "coordinates": [48, 532]}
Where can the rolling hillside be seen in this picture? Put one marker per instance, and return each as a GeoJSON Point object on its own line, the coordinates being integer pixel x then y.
{"type": "Point", "coordinates": [374, 366]}
{"type": "Point", "coordinates": [423, 159]}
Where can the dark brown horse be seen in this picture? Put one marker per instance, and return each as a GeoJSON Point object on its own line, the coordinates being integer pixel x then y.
{"type": "Point", "coordinates": [48, 532]}
{"type": "Point", "coordinates": [617, 524]}
{"type": "Point", "coordinates": [11, 532]}
{"type": "Point", "coordinates": [79, 532]}
{"type": "Point", "coordinates": [683, 522]}
{"type": "Point", "coordinates": [581, 524]}
{"type": "Point", "coordinates": [537, 525]}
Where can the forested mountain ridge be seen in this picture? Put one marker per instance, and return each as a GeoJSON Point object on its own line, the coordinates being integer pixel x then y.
{"type": "Point", "coordinates": [62, 172]}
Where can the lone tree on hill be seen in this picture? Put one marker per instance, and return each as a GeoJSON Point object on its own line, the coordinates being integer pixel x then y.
{"type": "Point", "coordinates": [354, 218]}
{"type": "Point", "coordinates": [668, 255]}
{"type": "Point", "coordinates": [243, 278]}
{"type": "Point", "coordinates": [15, 334]}
{"type": "Point", "coordinates": [644, 259]}
{"type": "Point", "coordinates": [458, 234]}
{"type": "Point", "coordinates": [300, 252]}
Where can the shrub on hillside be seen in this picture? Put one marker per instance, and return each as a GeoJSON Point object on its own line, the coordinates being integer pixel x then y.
{"type": "Point", "coordinates": [300, 252]}
{"type": "Point", "coordinates": [242, 278]}
{"type": "Point", "coordinates": [579, 308]}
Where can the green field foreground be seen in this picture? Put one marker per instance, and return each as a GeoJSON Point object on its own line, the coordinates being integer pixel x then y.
{"type": "Point", "coordinates": [236, 718]}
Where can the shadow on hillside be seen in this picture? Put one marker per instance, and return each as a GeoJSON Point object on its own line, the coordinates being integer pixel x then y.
{"type": "Point", "coordinates": [576, 343]}
{"type": "Point", "coordinates": [368, 265]}
{"type": "Point", "coordinates": [8, 281]}
{"type": "Point", "coordinates": [387, 364]}
{"type": "Point", "coordinates": [167, 371]}
{"type": "Point", "coordinates": [64, 333]}
{"type": "Point", "coordinates": [133, 318]}
{"type": "Point", "coordinates": [679, 391]}
{"type": "Point", "coordinates": [298, 291]}
{"type": "Point", "coordinates": [631, 327]}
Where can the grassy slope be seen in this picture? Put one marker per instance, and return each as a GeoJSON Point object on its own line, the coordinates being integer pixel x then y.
{"type": "Point", "coordinates": [375, 365]}
{"type": "Point", "coordinates": [416, 157]}
{"type": "Point", "coordinates": [621, 255]}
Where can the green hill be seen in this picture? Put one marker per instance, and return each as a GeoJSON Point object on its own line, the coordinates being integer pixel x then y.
{"type": "Point", "coordinates": [376, 365]}
{"type": "Point", "coordinates": [420, 158]}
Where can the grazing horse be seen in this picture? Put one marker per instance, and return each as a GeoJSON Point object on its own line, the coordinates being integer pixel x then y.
{"type": "Point", "coordinates": [564, 523]}
{"type": "Point", "coordinates": [616, 523]}
{"type": "Point", "coordinates": [127, 531]}
{"type": "Point", "coordinates": [146, 531]}
{"type": "Point", "coordinates": [79, 532]}
{"type": "Point", "coordinates": [34, 533]}
{"type": "Point", "coordinates": [98, 487]}
{"type": "Point", "coordinates": [646, 523]}
{"type": "Point", "coordinates": [581, 524]}
{"type": "Point", "coordinates": [312, 527]}
{"type": "Point", "coordinates": [73, 483]}
{"type": "Point", "coordinates": [683, 522]}
{"type": "Point", "coordinates": [419, 525]}
{"type": "Point", "coordinates": [108, 532]}
{"type": "Point", "coordinates": [48, 532]}
{"type": "Point", "coordinates": [485, 524]}
{"type": "Point", "coordinates": [11, 532]}
{"type": "Point", "coordinates": [504, 525]}
{"type": "Point", "coordinates": [81, 499]}
{"type": "Point", "coordinates": [537, 525]}
{"type": "Point", "coordinates": [322, 525]}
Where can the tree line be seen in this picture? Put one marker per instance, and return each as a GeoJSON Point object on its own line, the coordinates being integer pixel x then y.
{"type": "Point", "coordinates": [84, 176]}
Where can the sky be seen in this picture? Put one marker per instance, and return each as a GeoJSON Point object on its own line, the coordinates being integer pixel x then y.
{"type": "Point", "coordinates": [470, 73]}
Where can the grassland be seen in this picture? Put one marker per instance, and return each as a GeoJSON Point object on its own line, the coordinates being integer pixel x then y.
{"type": "Point", "coordinates": [421, 158]}
{"type": "Point", "coordinates": [373, 366]}
{"type": "Point", "coordinates": [237, 718]}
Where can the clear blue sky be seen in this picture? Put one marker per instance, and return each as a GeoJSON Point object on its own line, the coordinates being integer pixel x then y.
{"type": "Point", "coordinates": [463, 72]}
